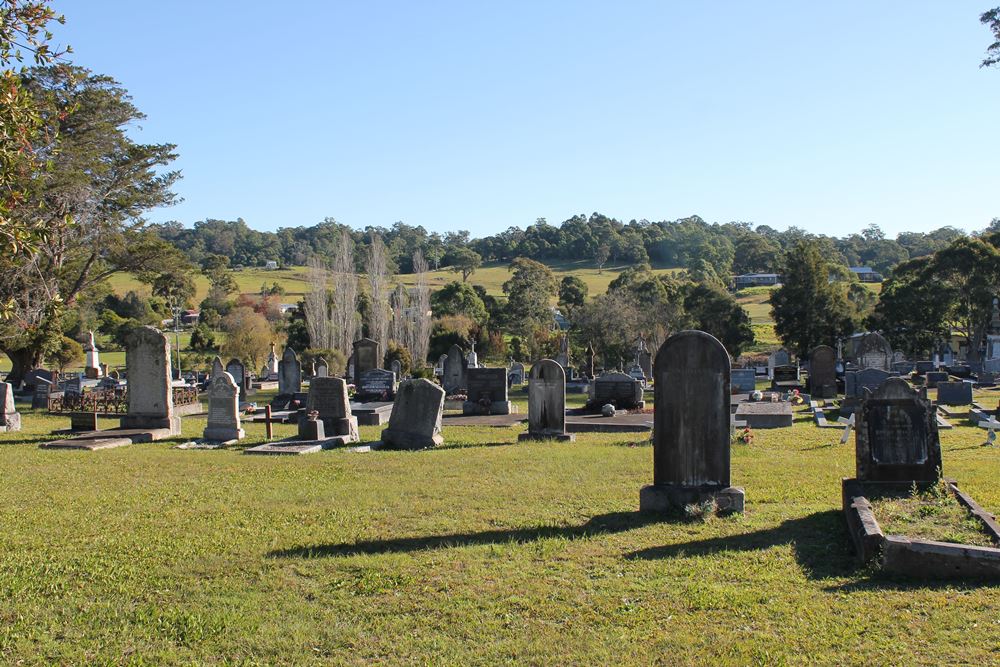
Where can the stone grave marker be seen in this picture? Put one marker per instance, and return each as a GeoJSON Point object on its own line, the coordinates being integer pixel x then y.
{"type": "Point", "coordinates": [635, 371]}
{"type": "Point", "coordinates": [10, 418]}
{"type": "Point", "coordinates": [691, 426]}
{"type": "Point", "coordinates": [744, 380]}
{"type": "Point", "coordinates": [589, 363]}
{"type": "Point", "coordinates": [546, 403]}
{"type": "Point", "coordinates": [645, 362]}
{"type": "Point", "coordinates": [777, 358]}
{"type": "Point", "coordinates": [855, 382]}
{"type": "Point", "coordinates": [376, 385]}
{"type": "Point", "coordinates": [92, 364]}
{"type": "Point", "coordinates": [897, 435]}
{"type": "Point", "coordinates": [903, 367]}
{"type": "Point", "coordinates": [328, 396]}
{"type": "Point", "coordinates": [73, 386]}
{"type": "Point", "coordinates": [487, 392]}
{"type": "Point", "coordinates": [455, 368]}
{"type": "Point", "coordinates": [397, 368]}
{"type": "Point", "coordinates": [873, 351]}
{"type": "Point", "coordinates": [271, 365]}
{"type": "Point", "coordinates": [516, 373]}
{"type": "Point", "coordinates": [238, 370]}
{"type": "Point", "coordinates": [223, 409]}
{"type": "Point", "coordinates": [954, 393]}
{"type": "Point", "coordinates": [322, 368]}
{"type": "Point", "coordinates": [932, 378]}
{"type": "Point", "coordinates": [150, 395]}
{"type": "Point", "coordinates": [785, 377]}
{"type": "Point", "coordinates": [617, 389]}
{"type": "Point", "coordinates": [217, 368]}
{"type": "Point", "coordinates": [289, 373]}
{"type": "Point", "coordinates": [415, 422]}
{"type": "Point", "coordinates": [924, 367]}
{"type": "Point", "coordinates": [823, 372]}
{"type": "Point", "coordinates": [848, 423]}
{"type": "Point", "coordinates": [563, 357]}
{"type": "Point", "coordinates": [367, 357]}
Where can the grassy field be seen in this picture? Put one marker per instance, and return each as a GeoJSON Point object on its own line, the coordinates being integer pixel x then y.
{"type": "Point", "coordinates": [481, 551]}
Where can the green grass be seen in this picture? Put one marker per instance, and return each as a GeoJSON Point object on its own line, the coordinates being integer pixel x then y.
{"type": "Point", "coordinates": [931, 514]}
{"type": "Point", "coordinates": [481, 551]}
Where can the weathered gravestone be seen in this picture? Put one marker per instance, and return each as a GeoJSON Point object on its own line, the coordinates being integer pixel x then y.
{"type": "Point", "coordinates": [92, 363]}
{"type": "Point", "coordinates": [786, 377]}
{"type": "Point", "coordinates": [322, 368]}
{"type": "Point", "coordinates": [415, 422]}
{"type": "Point", "coordinates": [934, 377]}
{"type": "Point", "coordinates": [744, 380]}
{"type": "Point", "coordinates": [617, 389]}
{"type": "Point", "coordinates": [238, 370]}
{"type": "Point", "coordinates": [223, 409]}
{"type": "Point", "coordinates": [635, 371]}
{"type": "Point", "coordinates": [896, 436]}
{"type": "Point", "coordinates": [516, 373]}
{"type": "Point", "coordinates": [903, 367]}
{"type": "Point", "coordinates": [925, 367]}
{"type": "Point", "coordinates": [691, 426]}
{"type": "Point", "coordinates": [73, 386]}
{"type": "Point", "coordinates": [376, 385]}
{"type": "Point", "coordinates": [547, 403]}
{"type": "Point", "coordinates": [589, 362]}
{"type": "Point", "coordinates": [367, 357]}
{"type": "Point", "coordinates": [328, 397]}
{"type": "Point", "coordinates": [486, 392]}
{"type": "Point", "coordinates": [289, 373]}
{"type": "Point", "coordinates": [150, 396]}
{"type": "Point", "coordinates": [954, 393]}
{"type": "Point", "coordinates": [271, 365]}
{"type": "Point", "coordinates": [645, 361]}
{"type": "Point", "coordinates": [563, 357]}
{"type": "Point", "coordinates": [873, 351]}
{"type": "Point", "coordinates": [777, 358]}
{"type": "Point", "coordinates": [10, 418]}
{"type": "Point", "coordinates": [217, 369]}
{"type": "Point", "coordinates": [455, 368]}
{"type": "Point", "coordinates": [823, 372]}
{"type": "Point", "coordinates": [396, 366]}
{"type": "Point", "coordinates": [856, 382]}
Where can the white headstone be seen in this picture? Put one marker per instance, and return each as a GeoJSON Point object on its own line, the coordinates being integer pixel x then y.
{"type": "Point", "coordinates": [223, 409]}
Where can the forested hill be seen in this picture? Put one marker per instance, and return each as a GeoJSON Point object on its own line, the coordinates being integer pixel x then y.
{"type": "Point", "coordinates": [691, 243]}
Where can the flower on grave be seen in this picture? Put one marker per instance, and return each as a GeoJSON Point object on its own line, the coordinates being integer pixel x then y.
{"type": "Point", "coordinates": [796, 398]}
{"type": "Point", "coordinates": [312, 415]}
{"type": "Point", "coordinates": [746, 436]}
{"type": "Point", "coordinates": [757, 395]}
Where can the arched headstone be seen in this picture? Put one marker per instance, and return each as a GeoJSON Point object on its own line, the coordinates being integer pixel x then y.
{"type": "Point", "coordinates": [289, 373]}
{"type": "Point", "coordinates": [223, 409]}
{"type": "Point", "coordinates": [150, 396]}
{"type": "Point", "coordinates": [546, 402]}
{"type": "Point", "coordinates": [823, 372]}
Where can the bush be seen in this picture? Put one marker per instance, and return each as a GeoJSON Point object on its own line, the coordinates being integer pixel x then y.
{"type": "Point", "coordinates": [396, 351]}
{"type": "Point", "coordinates": [335, 359]}
{"type": "Point", "coordinates": [448, 331]}
{"type": "Point", "coordinates": [202, 338]}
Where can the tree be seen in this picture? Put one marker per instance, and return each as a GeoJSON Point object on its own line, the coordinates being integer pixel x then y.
{"type": "Point", "coordinates": [91, 199]}
{"type": "Point", "coordinates": [344, 304]}
{"type": "Point", "coordinates": [991, 19]}
{"type": "Point", "coordinates": [317, 306]}
{"type": "Point", "coordinates": [714, 310]}
{"type": "Point", "coordinates": [754, 253]}
{"type": "Point", "coordinates": [69, 352]}
{"type": "Point", "coordinates": [601, 255]}
{"type": "Point", "coordinates": [248, 336]}
{"type": "Point", "coordinates": [912, 309]}
{"type": "Point", "coordinates": [421, 310]}
{"type": "Point", "coordinates": [809, 309]}
{"type": "Point", "coordinates": [572, 294]}
{"type": "Point", "coordinates": [529, 291]}
{"type": "Point", "coordinates": [377, 271]}
{"type": "Point", "coordinates": [457, 298]}
{"type": "Point", "coordinates": [202, 338]}
{"type": "Point", "coordinates": [465, 261]}
{"type": "Point", "coordinates": [216, 269]}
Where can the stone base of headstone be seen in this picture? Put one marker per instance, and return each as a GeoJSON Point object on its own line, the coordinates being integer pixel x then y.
{"type": "Point", "coordinates": [397, 439]}
{"type": "Point", "coordinates": [311, 429]}
{"type": "Point", "coordinates": [559, 437]}
{"type": "Point", "coordinates": [223, 434]}
{"type": "Point", "coordinates": [83, 421]}
{"type": "Point", "coordinates": [495, 408]}
{"type": "Point", "coordinates": [346, 429]}
{"type": "Point", "coordinates": [92, 373]}
{"type": "Point", "coordinates": [765, 414]}
{"type": "Point", "coordinates": [671, 498]}
{"type": "Point", "coordinates": [137, 422]}
{"type": "Point", "coordinates": [11, 423]}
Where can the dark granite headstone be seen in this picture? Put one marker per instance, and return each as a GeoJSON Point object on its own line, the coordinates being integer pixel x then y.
{"type": "Point", "coordinates": [897, 435]}
{"type": "Point", "coordinates": [415, 422]}
{"type": "Point", "coordinates": [934, 377]}
{"type": "Point", "coordinates": [328, 397]}
{"type": "Point", "coordinates": [546, 403]}
{"type": "Point", "coordinates": [376, 385]}
{"type": "Point", "coordinates": [236, 368]}
{"type": "Point", "coordinates": [367, 357]}
{"type": "Point", "coordinates": [823, 372]}
{"type": "Point", "coordinates": [954, 393]}
{"type": "Point", "coordinates": [744, 380]}
{"type": "Point", "coordinates": [617, 389]}
{"type": "Point", "coordinates": [289, 373]}
{"type": "Point", "coordinates": [487, 392]}
{"type": "Point", "coordinates": [857, 381]}
{"type": "Point", "coordinates": [924, 367]}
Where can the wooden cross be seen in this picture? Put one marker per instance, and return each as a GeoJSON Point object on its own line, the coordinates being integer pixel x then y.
{"type": "Point", "coordinates": [848, 423]}
{"type": "Point", "coordinates": [991, 425]}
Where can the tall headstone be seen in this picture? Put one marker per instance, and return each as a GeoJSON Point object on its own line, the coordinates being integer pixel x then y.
{"type": "Point", "coordinates": [454, 371]}
{"type": "Point", "coordinates": [217, 368]}
{"type": "Point", "coordinates": [546, 403]}
{"type": "Point", "coordinates": [271, 366]}
{"type": "Point", "coordinates": [516, 373]}
{"type": "Point", "coordinates": [322, 368]}
{"type": "Point", "coordinates": [367, 357]}
{"type": "Point", "coordinates": [645, 360]}
{"type": "Point", "coordinates": [823, 372]}
{"type": "Point", "coordinates": [10, 418]}
{"type": "Point", "coordinates": [873, 351]}
{"type": "Point", "coordinates": [415, 422]}
{"type": "Point", "coordinates": [223, 409]}
{"type": "Point", "coordinates": [150, 396]}
{"type": "Point", "coordinates": [328, 397]}
{"type": "Point", "coordinates": [472, 359]}
{"type": "Point", "coordinates": [289, 373]}
{"type": "Point", "coordinates": [92, 363]}
{"type": "Point", "coordinates": [563, 357]}
{"type": "Point", "coordinates": [691, 426]}
{"type": "Point", "coordinates": [896, 436]}
{"type": "Point", "coordinates": [589, 364]}
{"type": "Point", "coordinates": [238, 370]}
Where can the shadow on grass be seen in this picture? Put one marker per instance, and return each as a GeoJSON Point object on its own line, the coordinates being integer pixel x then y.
{"type": "Point", "coordinates": [615, 522]}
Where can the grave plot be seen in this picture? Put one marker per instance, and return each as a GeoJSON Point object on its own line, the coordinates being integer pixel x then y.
{"type": "Point", "coordinates": [898, 458]}
{"type": "Point", "coordinates": [325, 423]}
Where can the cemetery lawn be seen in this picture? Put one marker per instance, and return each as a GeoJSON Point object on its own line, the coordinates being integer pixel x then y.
{"type": "Point", "coordinates": [933, 514]}
{"type": "Point", "coordinates": [481, 551]}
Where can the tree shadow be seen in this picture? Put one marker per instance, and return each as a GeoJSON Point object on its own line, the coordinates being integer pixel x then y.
{"type": "Point", "coordinates": [615, 522]}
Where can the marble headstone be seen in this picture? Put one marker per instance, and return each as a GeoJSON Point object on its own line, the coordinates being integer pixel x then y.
{"type": "Point", "coordinates": [150, 396]}
{"type": "Point", "coordinates": [223, 409]}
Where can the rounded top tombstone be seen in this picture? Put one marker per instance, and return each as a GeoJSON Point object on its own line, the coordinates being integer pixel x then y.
{"type": "Point", "coordinates": [547, 370]}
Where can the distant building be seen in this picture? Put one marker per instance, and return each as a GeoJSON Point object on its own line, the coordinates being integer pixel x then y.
{"type": "Point", "coordinates": [190, 317]}
{"type": "Point", "coordinates": [756, 280]}
{"type": "Point", "coordinates": [286, 308]}
{"type": "Point", "coordinates": [561, 322]}
{"type": "Point", "coordinates": [865, 274]}
{"type": "Point", "coordinates": [271, 265]}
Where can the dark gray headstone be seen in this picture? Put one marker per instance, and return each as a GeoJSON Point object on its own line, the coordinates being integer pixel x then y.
{"type": "Point", "coordinates": [954, 393]}
{"type": "Point", "coordinates": [376, 385]}
{"type": "Point", "coordinates": [415, 422]}
{"type": "Point", "coordinates": [788, 373]}
{"type": "Point", "coordinates": [897, 435]}
{"type": "Point", "coordinates": [617, 389]}
{"type": "Point", "coordinates": [934, 377]}
{"type": "Point", "coordinates": [857, 381]}
{"type": "Point", "coordinates": [486, 392]}
{"type": "Point", "coordinates": [546, 402]}
{"type": "Point", "coordinates": [289, 373]}
{"type": "Point", "coordinates": [924, 366]}
{"type": "Point", "coordinates": [823, 372]}
{"type": "Point", "coordinates": [455, 368]}
{"type": "Point", "coordinates": [516, 373]}
{"type": "Point", "coordinates": [238, 370]}
{"type": "Point", "coordinates": [873, 351]}
{"type": "Point", "coordinates": [367, 357]}
{"type": "Point", "coordinates": [744, 380]}
{"type": "Point", "coordinates": [645, 360]}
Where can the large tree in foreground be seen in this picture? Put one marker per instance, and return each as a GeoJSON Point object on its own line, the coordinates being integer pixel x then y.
{"type": "Point", "coordinates": [91, 200]}
{"type": "Point", "coordinates": [810, 309]}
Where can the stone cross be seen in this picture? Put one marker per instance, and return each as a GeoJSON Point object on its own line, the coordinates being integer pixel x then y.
{"type": "Point", "coordinates": [848, 423]}
{"type": "Point", "coordinates": [991, 425]}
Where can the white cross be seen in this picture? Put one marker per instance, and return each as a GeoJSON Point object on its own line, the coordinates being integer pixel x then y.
{"type": "Point", "coordinates": [991, 425]}
{"type": "Point", "coordinates": [848, 423]}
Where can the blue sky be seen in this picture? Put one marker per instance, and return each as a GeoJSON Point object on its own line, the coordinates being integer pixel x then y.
{"type": "Point", "coordinates": [476, 115]}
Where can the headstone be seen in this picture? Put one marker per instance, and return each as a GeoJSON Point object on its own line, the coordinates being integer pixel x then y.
{"type": "Point", "coordinates": [925, 367]}
{"type": "Point", "coordinates": [376, 385]}
{"type": "Point", "coordinates": [271, 366]}
{"type": "Point", "coordinates": [777, 358]}
{"type": "Point", "coordinates": [367, 357]}
{"type": "Point", "coordinates": [903, 367]}
{"type": "Point", "coordinates": [563, 357]}
{"type": "Point", "coordinates": [516, 373]}
{"type": "Point", "coordinates": [322, 368]}
{"type": "Point", "coordinates": [618, 389]}
{"type": "Point", "coordinates": [31, 377]}
{"type": "Point", "coordinates": [397, 368]}
{"type": "Point", "coordinates": [934, 377]}
{"type": "Point", "coordinates": [328, 396]}
{"type": "Point", "coordinates": [150, 396]}
{"type": "Point", "coordinates": [897, 435]}
{"type": "Point", "coordinates": [486, 392]}
{"type": "Point", "coordinates": [223, 409]}
{"type": "Point", "coordinates": [289, 373]}
{"type": "Point", "coordinates": [589, 369]}
{"type": "Point", "coordinates": [546, 403]}
{"type": "Point", "coordinates": [635, 371]}
{"type": "Point", "coordinates": [73, 386]}
{"type": "Point", "coordinates": [744, 380]}
{"type": "Point", "coordinates": [217, 369]}
{"type": "Point", "coordinates": [454, 371]}
{"type": "Point", "coordinates": [691, 426]}
{"type": "Point", "coordinates": [92, 363]}
{"type": "Point", "coordinates": [415, 422]}
{"type": "Point", "coordinates": [855, 382]}
{"type": "Point", "coordinates": [10, 418]}
{"type": "Point", "coordinates": [823, 372]}
{"type": "Point", "coordinates": [873, 351]}
{"type": "Point", "coordinates": [441, 362]}
{"type": "Point", "coordinates": [645, 362]}
{"type": "Point", "coordinates": [40, 397]}
{"type": "Point", "coordinates": [238, 370]}
{"type": "Point", "coordinates": [848, 423]}
{"type": "Point", "coordinates": [472, 359]}
{"type": "Point", "coordinates": [954, 393]}
{"type": "Point", "coordinates": [787, 376]}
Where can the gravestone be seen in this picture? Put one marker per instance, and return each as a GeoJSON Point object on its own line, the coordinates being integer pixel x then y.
{"type": "Point", "coordinates": [454, 371]}
{"type": "Point", "coordinates": [635, 371]}
{"type": "Point", "coordinates": [397, 368]}
{"type": "Point", "coordinates": [238, 370]}
{"type": "Point", "coordinates": [823, 372]}
{"type": "Point", "coordinates": [322, 368]}
{"type": "Point", "coordinates": [31, 378]}
{"type": "Point", "coordinates": [691, 426]}
{"type": "Point", "coordinates": [777, 358]}
{"type": "Point", "coordinates": [367, 357]}
{"type": "Point", "coordinates": [617, 389]}
{"type": "Point", "coordinates": [10, 418]}
{"type": "Point", "coordinates": [223, 409]}
{"type": "Point", "coordinates": [925, 367]}
{"type": "Point", "coordinates": [934, 377]}
{"type": "Point", "coordinates": [563, 357]}
{"type": "Point", "coordinates": [92, 362]}
{"type": "Point", "coordinates": [856, 382]}
{"type": "Point", "coordinates": [486, 392]}
{"type": "Point", "coordinates": [588, 362]}
{"type": "Point", "coordinates": [954, 393]}
{"type": "Point", "coordinates": [328, 396]}
{"type": "Point", "coordinates": [43, 386]}
{"type": "Point", "coordinates": [289, 373]}
{"type": "Point", "coordinates": [217, 369]}
{"type": "Point", "coordinates": [73, 386]}
{"type": "Point", "coordinates": [546, 403]}
{"type": "Point", "coordinates": [744, 380]}
{"type": "Point", "coordinates": [271, 365]}
{"type": "Point", "coordinates": [415, 422]}
{"type": "Point", "coordinates": [896, 436]}
{"type": "Point", "coordinates": [873, 351]}
{"type": "Point", "coordinates": [376, 385]}
{"type": "Point", "coordinates": [516, 373]}
{"type": "Point", "coordinates": [645, 362]}
{"type": "Point", "coordinates": [150, 396]}
{"type": "Point", "coordinates": [442, 360]}
{"type": "Point", "coordinates": [903, 367]}
{"type": "Point", "coordinates": [785, 377]}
